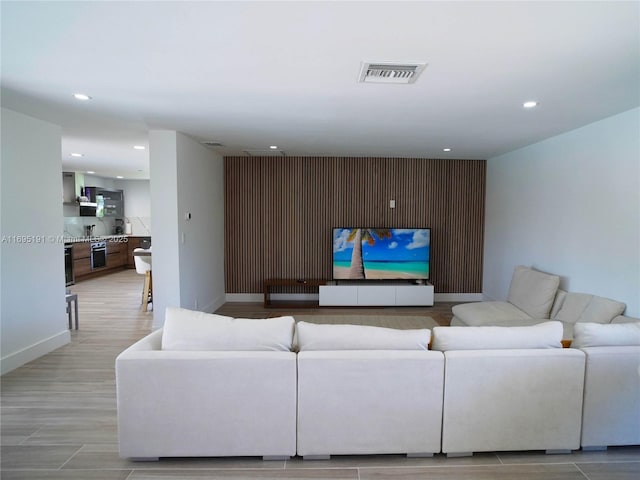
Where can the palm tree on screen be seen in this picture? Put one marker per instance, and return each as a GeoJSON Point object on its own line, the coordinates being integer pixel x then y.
{"type": "Point", "coordinates": [357, 236]}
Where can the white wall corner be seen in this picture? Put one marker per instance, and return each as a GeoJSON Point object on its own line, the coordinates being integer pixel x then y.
{"type": "Point", "coordinates": [32, 352]}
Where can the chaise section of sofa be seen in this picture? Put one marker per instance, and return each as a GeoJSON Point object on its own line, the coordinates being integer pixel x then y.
{"type": "Point", "coordinates": [208, 387]}
{"type": "Point", "coordinates": [531, 296]}
{"type": "Point", "coordinates": [534, 297]}
{"type": "Point", "coordinates": [367, 390]}
{"type": "Point", "coordinates": [611, 413]}
{"type": "Point", "coordinates": [509, 388]}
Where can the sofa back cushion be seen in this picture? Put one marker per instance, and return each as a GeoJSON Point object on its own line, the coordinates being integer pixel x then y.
{"type": "Point", "coordinates": [606, 335]}
{"type": "Point", "coordinates": [533, 292]}
{"type": "Point", "coordinates": [583, 307]}
{"type": "Point", "coordinates": [542, 335]}
{"type": "Point", "coordinates": [188, 330]}
{"type": "Point", "coordinates": [557, 303]}
{"type": "Point", "coordinates": [625, 319]}
{"type": "Point", "coordinates": [312, 336]}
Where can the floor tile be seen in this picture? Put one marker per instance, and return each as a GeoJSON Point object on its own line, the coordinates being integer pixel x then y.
{"type": "Point", "coordinates": [65, 474]}
{"type": "Point", "coordinates": [616, 454]}
{"type": "Point", "coordinates": [36, 456]}
{"type": "Point", "coordinates": [489, 472]}
{"type": "Point", "coordinates": [611, 471]}
{"type": "Point", "coordinates": [103, 456]}
{"type": "Point", "coordinates": [310, 474]}
{"type": "Point", "coordinates": [355, 461]}
{"type": "Point", "coordinates": [17, 434]}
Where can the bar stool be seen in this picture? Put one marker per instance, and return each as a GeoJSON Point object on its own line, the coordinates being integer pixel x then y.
{"type": "Point", "coordinates": [143, 267]}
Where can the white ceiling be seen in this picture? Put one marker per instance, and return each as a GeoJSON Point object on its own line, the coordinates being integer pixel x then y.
{"type": "Point", "coordinates": [254, 74]}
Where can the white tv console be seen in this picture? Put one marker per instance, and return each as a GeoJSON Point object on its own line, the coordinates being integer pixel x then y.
{"type": "Point", "coordinates": [352, 295]}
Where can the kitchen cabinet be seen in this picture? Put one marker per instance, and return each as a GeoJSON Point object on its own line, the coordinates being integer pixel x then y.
{"type": "Point", "coordinates": [117, 250]}
{"type": "Point", "coordinates": [113, 202]}
{"type": "Point", "coordinates": [116, 253]}
{"type": "Point", "coordinates": [81, 259]}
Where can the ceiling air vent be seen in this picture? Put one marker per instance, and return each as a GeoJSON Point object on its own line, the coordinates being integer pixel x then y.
{"type": "Point", "coordinates": [388, 72]}
{"type": "Point", "coordinates": [264, 153]}
{"type": "Point", "coordinates": [212, 144]}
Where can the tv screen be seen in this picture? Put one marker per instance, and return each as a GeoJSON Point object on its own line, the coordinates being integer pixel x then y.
{"type": "Point", "coordinates": [381, 253]}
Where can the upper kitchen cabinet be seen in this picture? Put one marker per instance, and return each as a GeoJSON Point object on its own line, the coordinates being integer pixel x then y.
{"type": "Point", "coordinates": [88, 201]}
{"type": "Point", "coordinates": [113, 202]}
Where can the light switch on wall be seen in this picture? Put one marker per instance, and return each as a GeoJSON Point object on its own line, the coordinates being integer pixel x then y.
{"type": "Point", "coordinates": [392, 204]}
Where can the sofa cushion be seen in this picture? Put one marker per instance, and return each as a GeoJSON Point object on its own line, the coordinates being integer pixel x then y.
{"type": "Point", "coordinates": [543, 335]}
{"type": "Point", "coordinates": [484, 313]}
{"type": "Point", "coordinates": [603, 335]}
{"type": "Point", "coordinates": [189, 330]}
{"type": "Point", "coordinates": [311, 336]}
{"type": "Point", "coordinates": [533, 292]}
{"type": "Point", "coordinates": [625, 319]}
{"type": "Point", "coordinates": [557, 303]}
{"type": "Point", "coordinates": [583, 307]}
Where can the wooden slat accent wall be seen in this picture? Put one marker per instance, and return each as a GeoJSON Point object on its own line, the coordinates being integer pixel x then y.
{"type": "Point", "coordinates": [279, 212]}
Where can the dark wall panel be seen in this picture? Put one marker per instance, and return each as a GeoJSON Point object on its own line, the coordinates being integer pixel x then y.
{"type": "Point", "coordinates": [279, 212]}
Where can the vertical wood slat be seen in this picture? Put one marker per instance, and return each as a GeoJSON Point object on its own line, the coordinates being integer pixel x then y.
{"type": "Point", "coordinates": [279, 213]}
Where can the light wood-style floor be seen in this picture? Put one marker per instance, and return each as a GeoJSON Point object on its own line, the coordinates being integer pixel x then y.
{"type": "Point", "coordinates": [59, 415]}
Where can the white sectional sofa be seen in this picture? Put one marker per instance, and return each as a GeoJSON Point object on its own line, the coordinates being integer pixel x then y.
{"type": "Point", "coordinates": [366, 390]}
{"type": "Point", "coordinates": [208, 385]}
{"type": "Point", "coordinates": [509, 388]}
{"type": "Point", "coordinates": [534, 297]}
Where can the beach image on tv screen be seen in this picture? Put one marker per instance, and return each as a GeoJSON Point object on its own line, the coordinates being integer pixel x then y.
{"type": "Point", "coordinates": [383, 253]}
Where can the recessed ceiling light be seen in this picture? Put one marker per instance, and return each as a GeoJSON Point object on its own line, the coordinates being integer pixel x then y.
{"type": "Point", "coordinates": [119, 176]}
{"type": "Point", "coordinates": [447, 149]}
{"type": "Point", "coordinates": [76, 155]}
{"type": "Point", "coordinates": [273, 147]}
{"type": "Point", "coordinates": [90, 172]}
{"type": "Point", "coordinates": [81, 96]}
{"type": "Point", "coordinates": [530, 104]}
{"type": "Point", "coordinates": [139, 147]}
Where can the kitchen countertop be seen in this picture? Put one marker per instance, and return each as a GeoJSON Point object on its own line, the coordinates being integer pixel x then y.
{"type": "Point", "coordinates": [99, 238]}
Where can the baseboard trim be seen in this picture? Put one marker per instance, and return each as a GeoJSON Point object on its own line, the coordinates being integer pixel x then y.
{"type": "Point", "coordinates": [259, 297]}
{"type": "Point", "coordinates": [215, 304]}
{"type": "Point", "coordinates": [32, 352]}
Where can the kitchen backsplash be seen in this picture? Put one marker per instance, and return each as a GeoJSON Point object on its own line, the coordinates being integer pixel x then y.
{"type": "Point", "coordinates": [140, 226]}
{"type": "Point", "coordinates": [74, 226]}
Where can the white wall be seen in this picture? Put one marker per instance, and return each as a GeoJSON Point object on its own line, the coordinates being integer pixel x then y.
{"type": "Point", "coordinates": [33, 319]}
{"type": "Point", "coordinates": [137, 196]}
{"type": "Point", "coordinates": [569, 205]}
{"type": "Point", "coordinates": [188, 255]}
{"type": "Point", "coordinates": [201, 193]}
{"type": "Point", "coordinates": [137, 205]}
{"type": "Point", "coordinates": [163, 169]}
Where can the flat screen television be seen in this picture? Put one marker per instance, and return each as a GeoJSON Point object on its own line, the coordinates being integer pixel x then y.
{"type": "Point", "coordinates": [381, 253]}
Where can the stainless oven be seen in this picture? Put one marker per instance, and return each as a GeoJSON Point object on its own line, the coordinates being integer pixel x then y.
{"type": "Point", "coordinates": [98, 254]}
